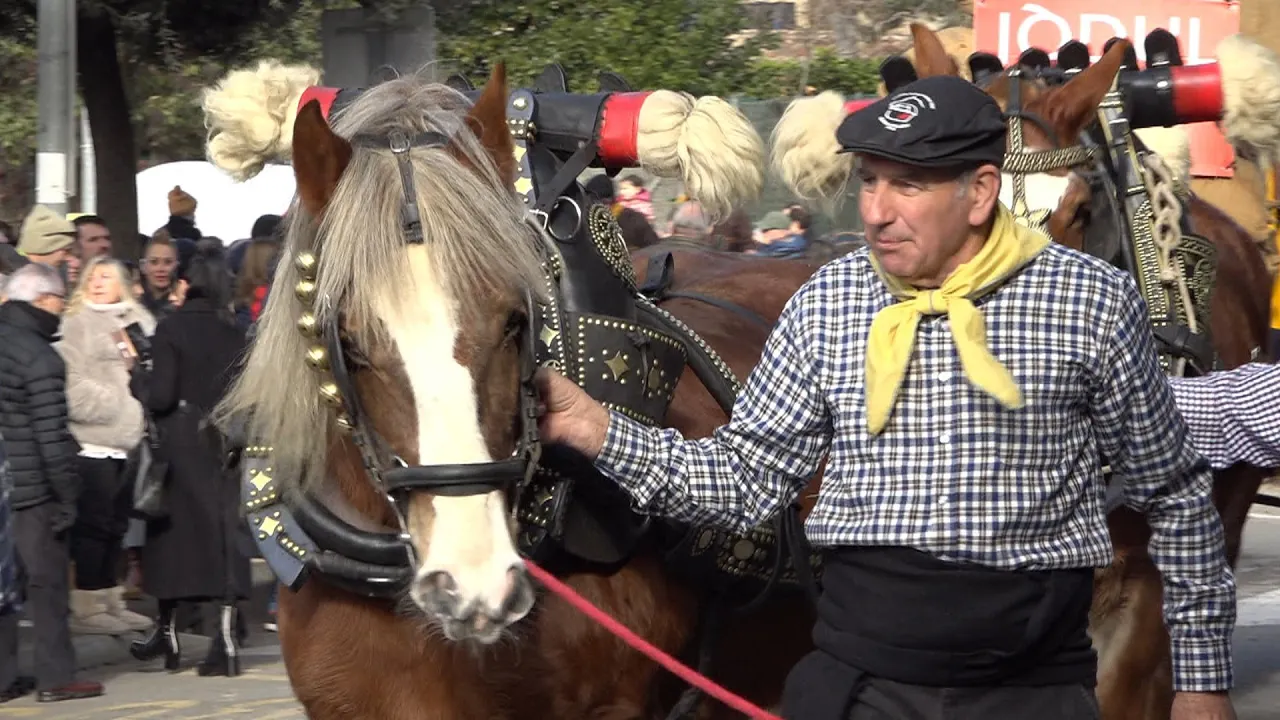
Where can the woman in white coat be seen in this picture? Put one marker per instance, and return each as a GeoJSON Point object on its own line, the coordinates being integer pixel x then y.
{"type": "Point", "coordinates": [108, 423]}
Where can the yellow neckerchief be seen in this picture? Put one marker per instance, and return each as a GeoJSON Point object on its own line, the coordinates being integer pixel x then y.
{"type": "Point", "coordinates": [1009, 247]}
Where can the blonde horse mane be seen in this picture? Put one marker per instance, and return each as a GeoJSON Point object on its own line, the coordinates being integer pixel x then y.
{"type": "Point", "coordinates": [475, 233]}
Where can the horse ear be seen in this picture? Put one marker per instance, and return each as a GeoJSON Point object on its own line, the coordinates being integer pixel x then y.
{"type": "Point", "coordinates": [932, 57]}
{"type": "Point", "coordinates": [488, 120]}
{"type": "Point", "coordinates": [1072, 107]}
{"type": "Point", "coordinates": [319, 158]}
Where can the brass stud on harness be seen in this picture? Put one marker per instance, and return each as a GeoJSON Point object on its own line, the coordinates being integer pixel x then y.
{"type": "Point", "coordinates": [305, 262]}
{"type": "Point", "coordinates": [330, 394]}
{"type": "Point", "coordinates": [307, 324]}
{"type": "Point", "coordinates": [317, 358]}
{"type": "Point", "coordinates": [305, 290]}
{"type": "Point", "coordinates": [344, 422]}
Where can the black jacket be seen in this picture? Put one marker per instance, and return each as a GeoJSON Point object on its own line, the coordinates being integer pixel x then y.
{"type": "Point", "coordinates": [202, 549]}
{"type": "Point", "coordinates": [33, 409]}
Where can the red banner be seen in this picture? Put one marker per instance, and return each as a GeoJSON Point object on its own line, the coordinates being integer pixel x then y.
{"type": "Point", "coordinates": [1008, 27]}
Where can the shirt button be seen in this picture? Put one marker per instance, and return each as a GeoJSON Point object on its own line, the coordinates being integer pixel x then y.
{"type": "Point", "coordinates": [944, 376]}
{"type": "Point", "coordinates": [944, 438]}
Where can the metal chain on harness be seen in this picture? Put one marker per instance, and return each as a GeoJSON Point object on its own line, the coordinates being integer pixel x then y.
{"type": "Point", "coordinates": [1166, 229]}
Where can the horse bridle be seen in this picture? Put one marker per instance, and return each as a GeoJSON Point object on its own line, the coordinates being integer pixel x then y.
{"type": "Point", "coordinates": [389, 473]}
{"type": "Point", "coordinates": [1020, 162]}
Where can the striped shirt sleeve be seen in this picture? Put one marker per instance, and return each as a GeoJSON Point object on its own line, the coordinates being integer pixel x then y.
{"type": "Point", "coordinates": [1147, 442]}
{"type": "Point", "coordinates": [748, 469]}
{"type": "Point", "coordinates": [1234, 415]}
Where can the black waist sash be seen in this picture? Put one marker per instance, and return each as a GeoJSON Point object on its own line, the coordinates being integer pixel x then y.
{"type": "Point", "coordinates": [906, 616]}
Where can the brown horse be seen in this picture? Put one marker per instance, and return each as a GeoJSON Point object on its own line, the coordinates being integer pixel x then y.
{"type": "Point", "coordinates": [1134, 670]}
{"type": "Point", "coordinates": [435, 330]}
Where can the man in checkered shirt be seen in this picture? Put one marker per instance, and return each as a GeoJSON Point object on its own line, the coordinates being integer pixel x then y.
{"type": "Point", "coordinates": [960, 528]}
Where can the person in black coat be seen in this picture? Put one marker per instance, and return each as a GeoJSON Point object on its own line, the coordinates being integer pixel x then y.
{"type": "Point", "coordinates": [198, 553]}
{"type": "Point", "coordinates": [41, 453]}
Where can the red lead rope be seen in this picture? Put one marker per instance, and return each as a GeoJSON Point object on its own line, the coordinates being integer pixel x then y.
{"type": "Point", "coordinates": [624, 634]}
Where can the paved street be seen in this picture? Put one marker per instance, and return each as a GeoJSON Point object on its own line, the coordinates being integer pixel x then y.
{"type": "Point", "coordinates": [262, 693]}
{"type": "Point", "coordinates": [1257, 642]}
{"type": "Point", "coordinates": [136, 691]}
{"type": "Point", "coordinates": [145, 690]}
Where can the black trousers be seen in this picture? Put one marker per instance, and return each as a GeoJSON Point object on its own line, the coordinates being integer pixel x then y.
{"type": "Point", "coordinates": [8, 650]}
{"type": "Point", "coordinates": [887, 700]}
{"type": "Point", "coordinates": [44, 560]}
{"type": "Point", "coordinates": [102, 518]}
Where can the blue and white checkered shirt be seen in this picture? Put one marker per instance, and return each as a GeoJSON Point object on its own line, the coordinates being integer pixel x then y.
{"type": "Point", "coordinates": [954, 473]}
{"type": "Point", "coordinates": [1234, 415]}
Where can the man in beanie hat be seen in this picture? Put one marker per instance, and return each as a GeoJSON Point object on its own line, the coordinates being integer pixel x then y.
{"type": "Point", "coordinates": [49, 239]}
{"type": "Point", "coordinates": [962, 377]}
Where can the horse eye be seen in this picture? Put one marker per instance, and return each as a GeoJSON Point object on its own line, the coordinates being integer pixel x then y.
{"type": "Point", "coordinates": [515, 322]}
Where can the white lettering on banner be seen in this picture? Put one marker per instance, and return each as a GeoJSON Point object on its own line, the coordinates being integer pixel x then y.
{"type": "Point", "coordinates": [1087, 21]}
{"type": "Point", "coordinates": [1091, 29]}
{"type": "Point", "coordinates": [1039, 15]}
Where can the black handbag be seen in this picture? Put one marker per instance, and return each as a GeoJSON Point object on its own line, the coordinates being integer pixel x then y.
{"type": "Point", "coordinates": [150, 488]}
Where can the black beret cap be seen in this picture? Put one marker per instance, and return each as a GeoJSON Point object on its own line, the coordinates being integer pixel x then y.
{"type": "Point", "coordinates": [940, 121]}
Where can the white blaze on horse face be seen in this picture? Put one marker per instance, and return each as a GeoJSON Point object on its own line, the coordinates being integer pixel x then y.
{"type": "Point", "coordinates": [468, 536]}
{"type": "Point", "coordinates": [1043, 191]}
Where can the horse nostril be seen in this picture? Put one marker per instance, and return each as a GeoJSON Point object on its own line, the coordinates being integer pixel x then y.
{"type": "Point", "coordinates": [437, 594]}
{"type": "Point", "coordinates": [520, 596]}
{"type": "Point", "coordinates": [440, 581]}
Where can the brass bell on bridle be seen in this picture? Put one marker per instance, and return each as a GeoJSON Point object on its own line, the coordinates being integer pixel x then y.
{"type": "Point", "coordinates": [305, 263]}
{"type": "Point", "coordinates": [317, 358]}
{"type": "Point", "coordinates": [308, 325]}
{"type": "Point", "coordinates": [330, 394]}
{"type": "Point", "coordinates": [305, 290]}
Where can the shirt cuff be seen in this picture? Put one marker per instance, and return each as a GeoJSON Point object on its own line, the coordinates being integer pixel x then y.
{"type": "Point", "coordinates": [627, 457]}
{"type": "Point", "coordinates": [1202, 665]}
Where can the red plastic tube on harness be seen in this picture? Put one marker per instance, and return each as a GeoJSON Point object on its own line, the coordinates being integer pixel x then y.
{"type": "Point", "coordinates": [615, 116]}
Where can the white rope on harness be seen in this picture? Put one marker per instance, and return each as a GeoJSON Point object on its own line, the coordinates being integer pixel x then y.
{"type": "Point", "coordinates": [1166, 222]}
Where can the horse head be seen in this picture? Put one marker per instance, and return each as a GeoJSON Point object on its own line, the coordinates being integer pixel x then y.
{"type": "Point", "coordinates": [1051, 178]}
{"type": "Point", "coordinates": [418, 271]}
{"type": "Point", "coordinates": [414, 266]}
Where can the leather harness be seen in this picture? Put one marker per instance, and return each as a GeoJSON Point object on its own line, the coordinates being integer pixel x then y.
{"type": "Point", "coordinates": [1107, 158]}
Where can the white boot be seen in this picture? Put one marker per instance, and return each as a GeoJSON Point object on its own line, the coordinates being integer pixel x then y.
{"type": "Point", "coordinates": [89, 615]}
{"type": "Point", "coordinates": [120, 611]}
